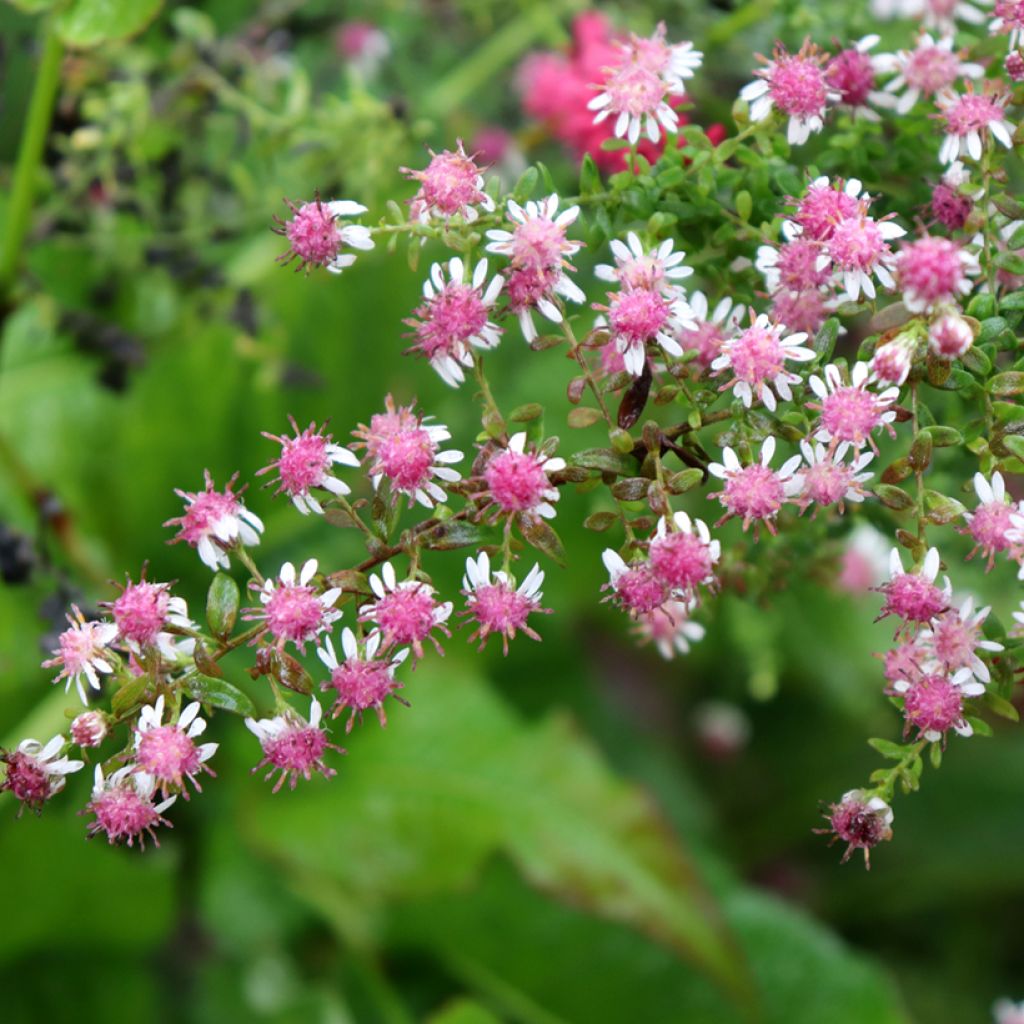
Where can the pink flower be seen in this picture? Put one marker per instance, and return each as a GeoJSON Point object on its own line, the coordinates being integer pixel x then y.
{"type": "Point", "coordinates": [637, 316]}
{"type": "Point", "coordinates": [405, 612]}
{"type": "Point", "coordinates": [454, 318]}
{"type": "Point", "coordinates": [950, 204]}
{"type": "Point", "coordinates": [682, 554]}
{"type": "Point", "coordinates": [757, 358]}
{"type": "Point", "coordinates": [859, 251]}
{"type": "Point", "coordinates": [801, 312]}
{"type": "Point", "coordinates": [865, 560]}
{"type": "Point", "coordinates": [1008, 20]}
{"type": "Point", "coordinates": [913, 596]}
{"type": "Point", "coordinates": [934, 703]}
{"type": "Point", "coordinates": [754, 493]}
{"type": "Point", "coordinates": [660, 268]}
{"type": "Point", "coordinates": [860, 820]}
{"type": "Point", "coordinates": [955, 637]}
{"type": "Point", "coordinates": [305, 462]}
{"type": "Point", "coordinates": [82, 654]}
{"type": "Point", "coordinates": [36, 772]}
{"type": "Point", "coordinates": [405, 449]}
{"type": "Point", "coordinates": [990, 525]}
{"type": "Point", "coordinates": [853, 73]}
{"type": "Point", "coordinates": [292, 609]}
{"type": "Point", "coordinates": [141, 611]}
{"type": "Point", "coordinates": [363, 681]}
{"type": "Point", "coordinates": [823, 206]}
{"type": "Point", "coordinates": [711, 327]}
{"type": "Point", "coordinates": [89, 729]}
{"type": "Point", "coordinates": [850, 412]}
{"type": "Point", "coordinates": [828, 479]}
{"type": "Point", "coordinates": [905, 661]}
{"type": "Point", "coordinates": [363, 45]}
{"type": "Point", "coordinates": [670, 628]}
{"type": "Point", "coordinates": [892, 361]}
{"type": "Point", "coordinates": [496, 605]}
{"type": "Point", "coordinates": [926, 70]}
{"type": "Point", "coordinates": [316, 239]}
{"type": "Point", "coordinates": [970, 119]}
{"type": "Point", "coordinates": [214, 521]}
{"type": "Point", "coordinates": [518, 480]}
{"type": "Point", "coordinates": [933, 270]}
{"type": "Point", "coordinates": [797, 265]}
{"type": "Point", "coordinates": [795, 84]}
{"type": "Point", "coordinates": [634, 586]}
{"type": "Point", "coordinates": [950, 336]}
{"type": "Point", "coordinates": [124, 808]}
{"type": "Point", "coordinates": [292, 746]}
{"type": "Point", "coordinates": [168, 753]}
{"type": "Point", "coordinates": [451, 185]}
{"type": "Point", "coordinates": [1014, 65]}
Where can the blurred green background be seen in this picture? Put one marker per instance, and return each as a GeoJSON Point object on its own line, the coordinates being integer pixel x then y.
{"type": "Point", "coordinates": [559, 836]}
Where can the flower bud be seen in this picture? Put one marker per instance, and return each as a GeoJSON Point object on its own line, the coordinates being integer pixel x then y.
{"type": "Point", "coordinates": [950, 336]}
{"type": "Point", "coordinates": [89, 729]}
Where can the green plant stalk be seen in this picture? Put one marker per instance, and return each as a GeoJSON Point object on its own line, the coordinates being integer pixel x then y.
{"type": "Point", "coordinates": [30, 153]}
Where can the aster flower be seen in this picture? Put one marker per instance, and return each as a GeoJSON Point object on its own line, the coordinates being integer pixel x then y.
{"type": "Point", "coordinates": [795, 84]}
{"type": "Point", "coordinates": [637, 316]}
{"type": "Point", "coordinates": [518, 480]}
{"type": "Point", "coordinates": [670, 628]}
{"type": "Point", "coordinates": [802, 312]}
{"type": "Point", "coordinates": [797, 265]}
{"type": "Point", "coordinates": [36, 772]}
{"type": "Point", "coordinates": [634, 267]}
{"type": "Point", "coordinates": [405, 449]}
{"type": "Point", "coordinates": [292, 609]}
{"type": "Point", "coordinates": [950, 335]}
{"type": "Point", "coordinates": [914, 596]}
{"type": "Point", "coordinates": [827, 479]}
{"type": "Point", "coordinates": [454, 318]}
{"type": "Point", "coordinates": [682, 554]}
{"type": "Point", "coordinates": [451, 185]}
{"type": "Point", "coordinates": [83, 653]}
{"type": "Point", "coordinates": [952, 202]}
{"type": "Point", "coordinates": [757, 358]}
{"type": "Point", "coordinates": [305, 462]}
{"type": "Point", "coordinates": [970, 119]}
{"type": "Point", "coordinates": [931, 66]}
{"type": "Point", "coordinates": [124, 809]}
{"type": "Point", "coordinates": [143, 611]}
{"type": "Point", "coordinates": [859, 251]}
{"type": "Point", "coordinates": [932, 271]}
{"type": "Point", "coordinates": [711, 327]}
{"type": "Point", "coordinates": [405, 612]}
{"type": "Point", "coordinates": [365, 679]}
{"type": "Point", "coordinates": [1008, 20]}
{"type": "Point", "coordinates": [892, 361]}
{"type": "Point", "coordinates": [168, 754]}
{"type": "Point", "coordinates": [756, 492]}
{"type": "Point", "coordinates": [89, 729]}
{"type": "Point", "coordinates": [823, 206]}
{"type": "Point", "coordinates": [634, 586]}
{"type": "Point", "coordinates": [317, 238]}
{"type": "Point", "coordinates": [853, 73]}
{"type": "Point", "coordinates": [933, 703]}
{"type": "Point", "coordinates": [860, 820]}
{"type": "Point", "coordinates": [214, 521]}
{"type": "Point", "coordinates": [850, 412]}
{"type": "Point", "coordinates": [496, 605]}
{"type": "Point", "coordinates": [292, 746]}
{"type": "Point", "coordinates": [955, 637]}
{"type": "Point", "coordinates": [865, 560]}
{"type": "Point", "coordinates": [990, 525]}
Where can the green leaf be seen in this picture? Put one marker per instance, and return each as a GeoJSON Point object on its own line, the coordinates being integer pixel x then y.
{"type": "Point", "coordinates": [604, 459]}
{"type": "Point", "coordinates": [88, 23]}
{"type": "Point", "coordinates": [220, 694]}
{"type": "Point", "coordinates": [584, 416]}
{"type": "Point", "coordinates": [894, 497]}
{"type": "Point", "coordinates": [942, 509]}
{"type": "Point", "coordinates": [542, 536]}
{"type": "Point", "coordinates": [130, 695]}
{"type": "Point", "coordinates": [453, 534]}
{"type": "Point", "coordinates": [1001, 706]}
{"type": "Point", "coordinates": [222, 600]}
{"type": "Point", "coordinates": [825, 339]}
{"type": "Point", "coordinates": [600, 521]}
{"type": "Point", "coordinates": [1014, 443]}
{"type": "Point", "coordinates": [887, 748]}
{"type": "Point", "coordinates": [1009, 383]}
{"type": "Point", "coordinates": [944, 437]}
{"type": "Point", "coordinates": [590, 177]}
{"type": "Point", "coordinates": [1013, 302]}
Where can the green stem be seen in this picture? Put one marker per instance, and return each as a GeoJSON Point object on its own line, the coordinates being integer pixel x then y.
{"type": "Point", "coordinates": [30, 153]}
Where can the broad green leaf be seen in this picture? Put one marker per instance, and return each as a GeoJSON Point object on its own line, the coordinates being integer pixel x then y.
{"type": "Point", "coordinates": [88, 23]}
{"type": "Point", "coordinates": [219, 693]}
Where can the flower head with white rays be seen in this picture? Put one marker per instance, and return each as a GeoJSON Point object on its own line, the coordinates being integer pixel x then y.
{"type": "Point", "coordinates": [637, 316]}
{"type": "Point", "coordinates": [83, 654]}
{"type": "Point", "coordinates": [214, 521]}
{"type": "Point", "coordinates": [682, 554]}
{"type": "Point", "coordinates": [950, 335]}
{"type": "Point", "coordinates": [405, 450]}
{"type": "Point", "coordinates": [860, 820]}
{"type": "Point", "coordinates": [537, 240]}
{"type": "Point", "coordinates": [168, 754]}
{"type": "Point", "coordinates": [453, 319]}
{"type": "Point", "coordinates": [754, 493]}
{"type": "Point", "coordinates": [365, 679]}
{"type": "Point", "coordinates": [36, 772]}
{"type": "Point", "coordinates": [796, 85]}
{"type": "Point", "coordinates": [305, 462]}
{"type": "Point", "coordinates": [892, 362]}
{"type": "Point", "coordinates": [851, 412]}
{"type": "Point", "coordinates": [635, 267]}
{"type": "Point", "coordinates": [955, 637]}
{"type": "Point", "coordinates": [518, 481]}
{"type": "Point", "coordinates": [802, 312]}
{"type": "Point", "coordinates": [914, 596]}
{"type": "Point", "coordinates": [292, 609]}
{"type": "Point", "coordinates": [451, 185]}
{"type": "Point", "coordinates": [854, 72]}
{"type": "Point", "coordinates": [970, 119]}
{"type": "Point", "coordinates": [1008, 20]}
{"type": "Point", "coordinates": [859, 251]}
{"type": "Point", "coordinates": [143, 611]}
{"type": "Point", "coordinates": [317, 238]}
{"type": "Point", "coordinates": [292, 746]}
{"type": "Point", "coordinates": [670, 628]}
{"type": "Point", "coordinates": [675, 62]}
{"type": "Point", "coordinates": [634, 586]}
{"type": "Point", "coordinates": [124, 809]}
{"type": "Point", "coordinates": [712, 327]}
{"type": "Point", "coordinates": [990, 525]}
{"type": "Point", "coordinates": [406, 612]}
{"type": "Point", "coordinates": [931, 66]}
{"type": "Point", "coordinates": [825, 203]}
{"type": "Point", "coordinates": [827, 479]}
{"type": "Point", "coordinates": [757, 358]}
{"type": "Point", "coordinates": [494, 604]}
{"type": "Point", "coordinates": [796, 265]}
{"type": "Point", "coordinates": [933, 271]}
{"type": "Point", "coordinates": [933, 703]}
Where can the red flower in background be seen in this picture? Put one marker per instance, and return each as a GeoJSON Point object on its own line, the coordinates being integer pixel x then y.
{"type": "Point", "coordinates": [556, 88]}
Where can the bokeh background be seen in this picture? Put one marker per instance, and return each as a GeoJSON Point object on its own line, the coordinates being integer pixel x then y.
{"type": "Point", "coordinates": [577, 833]}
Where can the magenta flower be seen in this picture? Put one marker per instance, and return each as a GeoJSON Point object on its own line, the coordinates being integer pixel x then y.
{"type": "Point", "coordinates": [634, 586]}
{"type": "Point", "coordinates": [682, 554]}
{"type": "Point", "coordinates": [451, 185]}
{"type": "Point", "coordinates": [991, 524]}
{"type": "Point", "coordinates": [36, 772]}
{"type": "Point", "coordinates": [860, 820]}
{"type": "Point", "coordinates": [83, 653]}
{"type": "Point", "coordinates": [518, 480]}
{"type": "Point", "coordinates": [405, 612]}
{"type": "Point", "coordinates": [363, 681]}
{"type": "Point", "coordinates": [292, 746]}
{"type": "Point", "coordinates": [497, 605]}
{"type": "Point", "coordinates": [168, 754]}
{"type": "Point", "coordinates": [316, 238]}
{"type": "Point", "coordinates": [850, 412]}
{"type": "Point", "coordinates": [292, 609]}
{"type": "Point", "coordinates": [754, 493]}
{"type": "Point", "coordinates": [914, 596]}
{"type": "Point", "coordinates": [124, 809]}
